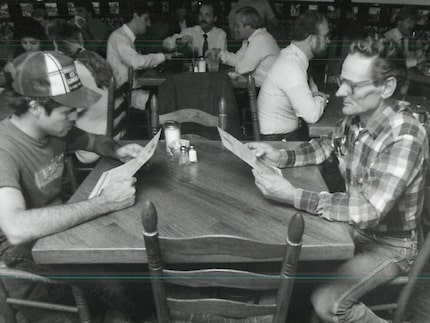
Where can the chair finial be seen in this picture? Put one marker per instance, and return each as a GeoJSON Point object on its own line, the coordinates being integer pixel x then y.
{"type": "Point", "coordinates": [149, 217]}
{"type": "Point", "coordinates": [296, 228]}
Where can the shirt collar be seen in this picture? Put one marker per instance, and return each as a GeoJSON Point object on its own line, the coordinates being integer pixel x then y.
{"type": "Point", "coordinates": [129, 33]}
{"type": "Point", "coordinates": [380, 121]}
{"type": "Point", "coordinates": [256, 32]}
{"type": "Point", "coordinates": [302, 56]}
{"type": "Point", "coordinates": [209, 32]}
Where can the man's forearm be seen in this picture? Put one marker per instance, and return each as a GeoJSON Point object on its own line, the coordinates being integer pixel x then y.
{"type": "Point", "coordinates": [104, 146]}
{"type": "Point", "coordinates": [36, 223]}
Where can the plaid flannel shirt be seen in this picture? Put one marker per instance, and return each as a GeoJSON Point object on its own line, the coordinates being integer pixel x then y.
{"type": "Point", "coordinates": [384, 166]}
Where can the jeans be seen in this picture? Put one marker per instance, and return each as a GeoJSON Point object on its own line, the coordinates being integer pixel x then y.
{"type": "Point", "coordinates": [377, 260]}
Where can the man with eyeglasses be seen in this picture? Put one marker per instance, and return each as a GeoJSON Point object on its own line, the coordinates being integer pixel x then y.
{"type": "Point", "coordinates": [383, 157]}
{"type": "Point", "coordinates": [288, 96]}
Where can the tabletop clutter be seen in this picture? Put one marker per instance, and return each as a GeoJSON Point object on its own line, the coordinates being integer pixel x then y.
{"type": "Point", "coordinates": [177, 148]}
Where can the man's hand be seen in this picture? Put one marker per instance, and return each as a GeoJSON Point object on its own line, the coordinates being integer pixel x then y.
{"type": "Point", "coordinates": [127, 152]}
{"type": "Point", "coordinates": [265, 153]}
{"type": "Point", "coordinates": [120, 193]}
{"type": "Point", "coordinates": [187, 39]}
{"type": "Point", "coordinates": [275, 187]}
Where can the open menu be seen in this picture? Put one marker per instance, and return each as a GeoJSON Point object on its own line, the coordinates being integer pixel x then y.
{"type": "Point", "coordinates": [244, 153]}
{"type": "Point", "coordinates": [128, 169]}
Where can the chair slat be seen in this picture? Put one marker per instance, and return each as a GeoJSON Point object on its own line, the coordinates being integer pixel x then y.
{"type": "Point", "coordinates": [191, 115]}
{"type": "Point", "coordinates": [222, 307]}
{"type": "Point", "coordinates": [189, 249]}
{"type": "Point", "coordinates": [221, 278]}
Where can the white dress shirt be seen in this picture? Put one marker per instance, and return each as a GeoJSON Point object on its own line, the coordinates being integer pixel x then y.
{"type": "Point", "coordinates": [285, 95]}
{"type": "Point", "coordinates": [216, 39]}
{"type": "Point", "coordinates": [122, 54]}
{"type": "Point", "coordinates": [256, 56]}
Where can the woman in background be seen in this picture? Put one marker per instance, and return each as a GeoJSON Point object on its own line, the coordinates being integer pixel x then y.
{"type": "Point", "coordinates": [94, 73]}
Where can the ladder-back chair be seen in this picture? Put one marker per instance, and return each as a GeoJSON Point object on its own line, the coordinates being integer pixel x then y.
{"type": "Point", "coordinates": [161, 251]}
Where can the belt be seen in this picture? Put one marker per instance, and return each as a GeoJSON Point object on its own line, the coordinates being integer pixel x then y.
{"type": "Point", "coordinates": [398, 234]}
{"type": "Point", "coordinates": [300, 134]}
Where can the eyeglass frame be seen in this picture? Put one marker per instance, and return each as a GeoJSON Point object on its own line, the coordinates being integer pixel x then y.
{"type": "Point", "coordinates": [352, 85]}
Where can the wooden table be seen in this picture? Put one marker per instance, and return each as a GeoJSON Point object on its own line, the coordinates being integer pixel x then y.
{"type": "Point", "coordinates": [152, 79]}
{"type": "Point", "coordinates": [331, 116]}
{"type": "Point", "coordinates": [215, 196]}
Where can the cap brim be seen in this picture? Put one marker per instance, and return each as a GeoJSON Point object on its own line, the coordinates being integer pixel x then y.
{"type": "Point", "coordinates": [81, 98]}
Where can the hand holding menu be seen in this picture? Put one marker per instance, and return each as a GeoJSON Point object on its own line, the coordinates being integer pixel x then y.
{"type": "Point", "coordinates": [241, 151]}
{"type": "Point", "coordinates": [128, 169]}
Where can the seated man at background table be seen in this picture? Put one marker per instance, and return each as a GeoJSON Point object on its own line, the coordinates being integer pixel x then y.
{"type": "Point", "coordinates": [33, 142]}
{"type": "Point", "coordinates": [287, 93]}
{"type": "Point", "coordinates": [200, 37]}
{"type": "Point", "coordinates": [259, 49]}
{"type": "Point", "coordinates": [383, 156]}
{"type": "Point", "coordinates": [263, 8]}
{"type": "Point", "coordinates": [401, 34]}
{"type": "Point", "coordinates": [122, 54]}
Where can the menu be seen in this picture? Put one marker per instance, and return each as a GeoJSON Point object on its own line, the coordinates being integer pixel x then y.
{"type": "Point", "coordinates": [244, 153]}
{"type": "Point", "coordinates": [128, 169]}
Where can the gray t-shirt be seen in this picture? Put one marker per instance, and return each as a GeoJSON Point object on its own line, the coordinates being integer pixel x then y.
{"type": "Point", "coordinates": [31, 166]}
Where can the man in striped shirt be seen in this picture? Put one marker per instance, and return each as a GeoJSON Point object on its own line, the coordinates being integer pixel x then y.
{"type": "Point", "coordinates": [383, 157]}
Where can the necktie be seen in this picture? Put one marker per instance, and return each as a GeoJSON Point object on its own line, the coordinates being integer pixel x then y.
{"type": "Point", "coordinates": [205, 44]}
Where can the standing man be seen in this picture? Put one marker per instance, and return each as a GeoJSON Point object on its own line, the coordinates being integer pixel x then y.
{"type": "Point", "coordinates": [33, 143]}
{"type": "Point", "coordinates": [200, 37]}
{"type": "Point", "coordinates": [383, 156]}
{"type": "Point", "coordinates": [94, 31]}
{"type": "Point", "coordinates": [287, 93]}
{"type": "Point", "coordinates": [122, 54]}
{"type": "Point", "coordinates": [259, 49]}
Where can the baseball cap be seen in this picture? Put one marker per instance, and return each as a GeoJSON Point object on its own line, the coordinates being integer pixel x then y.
{"type": "Point", "coordinates": [51, 74]}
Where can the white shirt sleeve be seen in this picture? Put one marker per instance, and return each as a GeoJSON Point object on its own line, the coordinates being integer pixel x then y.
{"type": "Point", "coordinates": [130, 57]}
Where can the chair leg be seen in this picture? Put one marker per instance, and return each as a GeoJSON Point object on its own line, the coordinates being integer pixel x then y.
{"type": "Point", "coordinates": [81, 304]}
{"type": "Point", "coordinates": [9, 313]}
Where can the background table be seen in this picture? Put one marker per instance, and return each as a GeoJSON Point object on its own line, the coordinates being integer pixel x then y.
{"type": "Point", "coordinates": [327, 122]}
{"type": "Point", "coordinates": [152, 79]}
{"type": "Point", "coordinates": [215, 196]}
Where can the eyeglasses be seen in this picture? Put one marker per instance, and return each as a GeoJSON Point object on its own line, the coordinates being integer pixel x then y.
{"type": "Point", "coordinates": [352, 85]}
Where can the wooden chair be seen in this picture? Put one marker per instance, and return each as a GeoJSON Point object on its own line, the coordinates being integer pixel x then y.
{"type": "Point", "coordinates": [161, 251]}
{"type": "Point", "coordinates": [11, 304]}
{"type": "Point", "coordinates": [252, 94]}
{"type": "Point", "coordinates": [119, 101]}
{"type": "Point", "coordinates": [188, 115]}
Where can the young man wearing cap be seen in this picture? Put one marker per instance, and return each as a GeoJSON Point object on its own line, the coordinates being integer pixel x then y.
{"type": "Point", "coordinates": [33, 141]}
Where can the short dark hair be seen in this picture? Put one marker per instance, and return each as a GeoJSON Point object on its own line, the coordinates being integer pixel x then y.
{"type": "Point", "coordinates": [138, 7]}
{"type": "Point", "coordinates": [21, 104]}
{"type": "Point", "coordinates": [87, 4]}
{"type": "Point", "coordinates": [250, 17]}
{"type": "Point", "coordinates": [306, 24]}
{"type": "Point", "coordinates": [389, 62]}
{"type": "Point", "coordinates": [215, 7]}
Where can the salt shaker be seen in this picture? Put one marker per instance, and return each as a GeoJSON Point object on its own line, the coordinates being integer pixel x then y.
{"type": "Point", "coordinates": [183, 157]}
{"type": "Point", "coordinates": [172, 132]}
{"type": "Point", "coordinates": [202, 65]}
{"type": "Point", "coordinates": [192, 154]}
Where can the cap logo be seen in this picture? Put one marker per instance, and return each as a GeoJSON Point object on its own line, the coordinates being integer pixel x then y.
{"type": "Point", "coordinates": [63, 80]}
